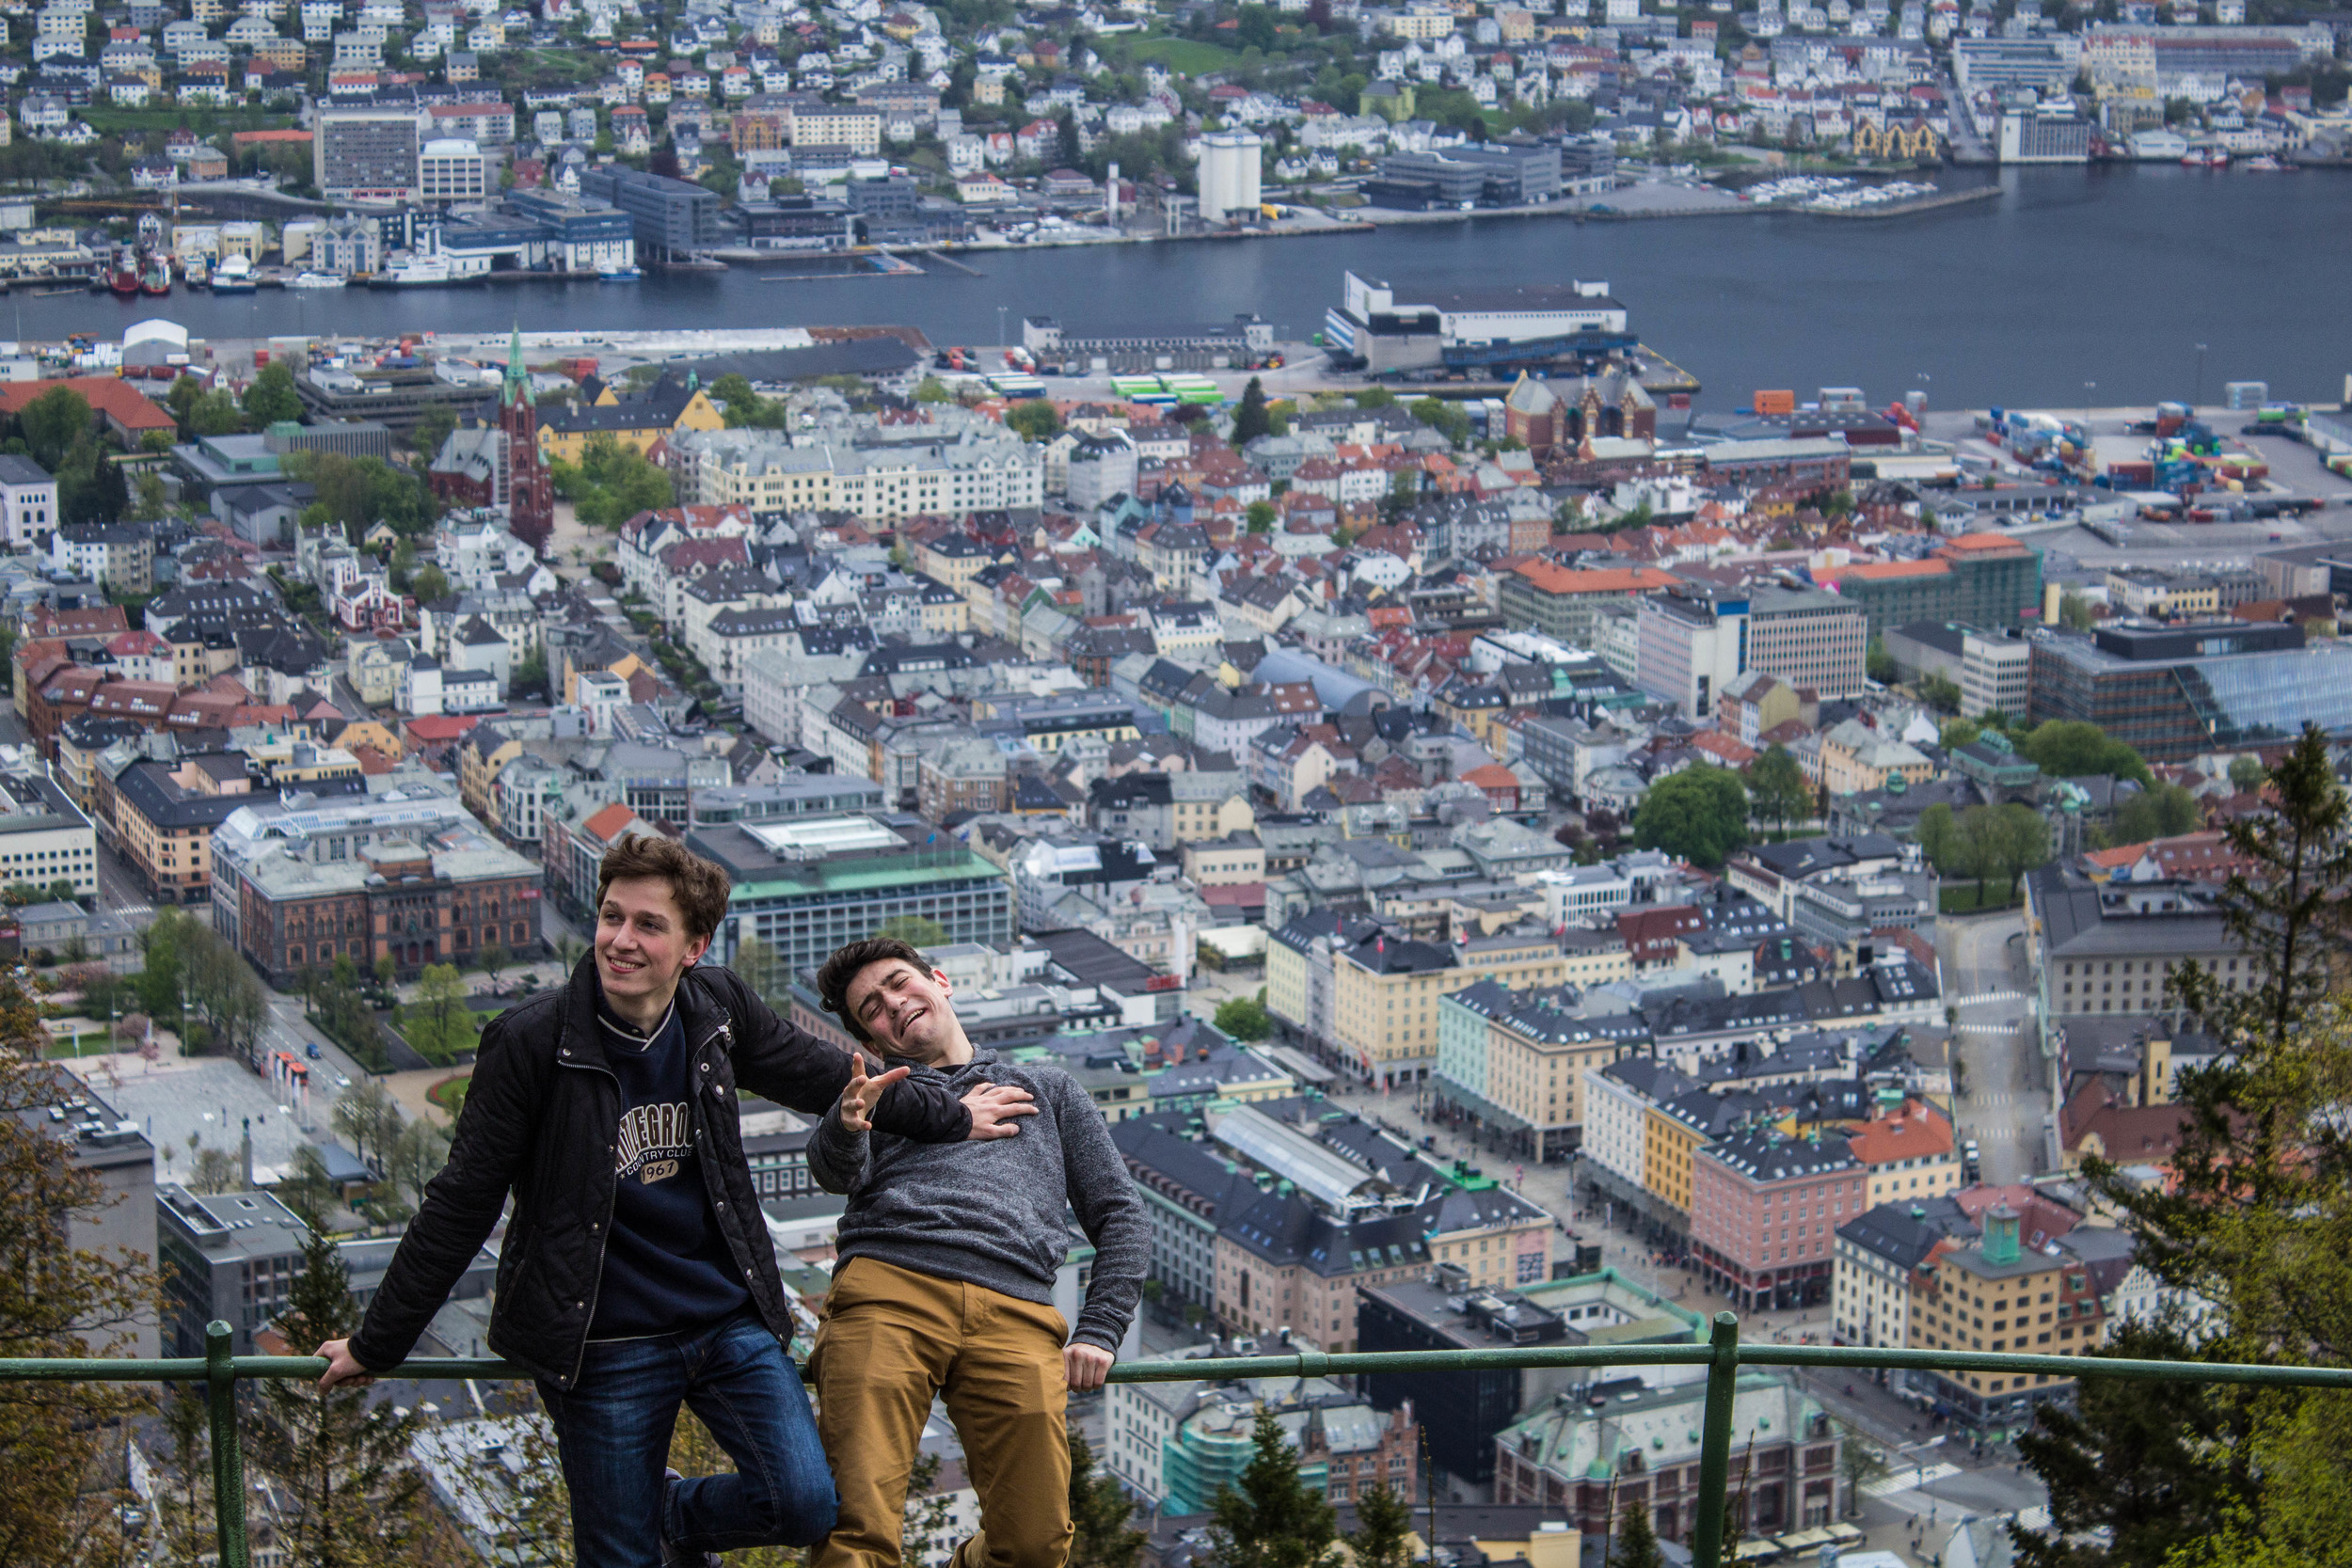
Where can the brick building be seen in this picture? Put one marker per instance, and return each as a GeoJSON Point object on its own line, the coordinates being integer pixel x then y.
{"type": "Point", "coordinates": [1765, 1209]}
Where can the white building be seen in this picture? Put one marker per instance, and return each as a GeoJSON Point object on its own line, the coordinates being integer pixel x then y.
{"type": "Point", "coordinates": [1230, 171]}
{"type": "Point", "coordinates": [28, 500]}
{"type": "Point", "coordinates": [452, 169]}
{"type": "Point", "coordinates": [421, 687]}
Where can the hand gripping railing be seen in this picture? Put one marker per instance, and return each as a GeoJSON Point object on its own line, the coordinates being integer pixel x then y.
{"type": "Point", "coordinates": [1722, 1356]}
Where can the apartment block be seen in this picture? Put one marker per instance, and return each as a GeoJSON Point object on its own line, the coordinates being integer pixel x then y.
{"type": "Point", "coordinates": [1997, 1294]}
{"type": "Point", "coordinates": [1516, 1060]}
{"type": "Point", "coordinates": [1764, 1211]}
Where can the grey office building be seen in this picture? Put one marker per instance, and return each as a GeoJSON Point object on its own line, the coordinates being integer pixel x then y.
{"type": "Point", "coordinates": [1498, 175]}
{"type": "Point", "coordinates": [673, 217]}
{"type": "Point", "coordinates": [117, 1155]}
{"type": "Point", "coordinates": [232, 1257]}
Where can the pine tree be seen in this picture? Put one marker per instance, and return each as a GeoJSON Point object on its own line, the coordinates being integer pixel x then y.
{"type": "Point", "coordinates": [1636, 1545]}
{"type": "Point", "coordinates": [1272, 1520]}
{"type": "Point", "coordinates": [1383, 1536]}
{"type": "Point", "coordinates": [347, 1495]}
{"type": "Point", "coordinates": [2255, 1217]}
{"type": "Point", "coordinates": [2132, 1458]}
{"type": "Point", "coordinates": [1100, 1512]}
{"type": "Point", "coordinates": [1250, 418]}
{"type": "Point", "coordinates": [2251, 1189]}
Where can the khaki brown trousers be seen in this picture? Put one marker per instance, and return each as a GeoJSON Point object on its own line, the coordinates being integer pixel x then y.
{"type": "Point", "coordinates": [891, 1340]}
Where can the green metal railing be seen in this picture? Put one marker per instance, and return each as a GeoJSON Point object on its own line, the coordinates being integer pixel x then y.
{"type": "Point", "coordinates": [1722, 1355]}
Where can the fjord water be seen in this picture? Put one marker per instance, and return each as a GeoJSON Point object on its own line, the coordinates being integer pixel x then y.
{"type": "Point", "coordinates": [2111, 275]}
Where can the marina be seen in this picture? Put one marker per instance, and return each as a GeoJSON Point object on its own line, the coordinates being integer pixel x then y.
{"type": "Point", "coordinates": [1906, 301]}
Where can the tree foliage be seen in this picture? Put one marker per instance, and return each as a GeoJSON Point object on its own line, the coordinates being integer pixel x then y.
{"type": "Point", "coordinates": [1272, 1520]}
{"type": "Point", "coordinates": [1245, 1018]}
{"type": "Point", "coordinates": [347, 1495]}
{"type": "Point", "coordinates": [59, 1442]}
{"type": "Point", "coordinates": [915, 930]}
{"type": "Point", "coordinates": [1383, 1536]}
{"type": "Point", "coordinates": [611, 484]}
{"type": "Point", "coordinates": [2161, 811]}
{"type": "Point", "coordinates": [1449, 419]}
{"type": "Point", "coordinates": [52, 422]}
{"type": "Point", "coordinates": [2132, 1458]}
{"type": "Point", "coordinates": [356, 493]}
{"type": "Point", "coordinates": [2255, 1217]}
{"type": "Point", "coordinates": [1777, 787]}
{"type": "Point", "coordinates": [1250, 418]}
{"type": "Point", "coordinates": [188, 961]}
{"type": "Point", "coordinates": [1034, 418]}
{"type": "Point", "coordinates": [272, 396]}
{"type": "Point", "coordinates": [1100, 1514]}
{"type": "Point", "coordinates": [1635, 1545]}
{"type": "Point", "coordinates": [2074, 749]}
{"type": "Point", "coordinates": [1700, 815]}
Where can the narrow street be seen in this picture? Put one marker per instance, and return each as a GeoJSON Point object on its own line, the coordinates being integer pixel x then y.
{"type": "Point", "coordinates": [2000, 1099]}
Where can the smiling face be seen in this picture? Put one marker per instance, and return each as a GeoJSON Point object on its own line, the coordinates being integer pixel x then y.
{"type": "Point", "coordinates": [643, 946]}
{"type": "Point", "coordinates": [904, 1010]}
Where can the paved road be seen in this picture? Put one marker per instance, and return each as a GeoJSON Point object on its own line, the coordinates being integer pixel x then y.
{"type": "Point", "coordinates": [2004, 1104]}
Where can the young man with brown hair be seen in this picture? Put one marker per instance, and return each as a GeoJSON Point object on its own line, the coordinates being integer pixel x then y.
{"type": "Point", "coordinates": [637, 1273]}
{"type": "Point", "coordinates": [945, 1278]}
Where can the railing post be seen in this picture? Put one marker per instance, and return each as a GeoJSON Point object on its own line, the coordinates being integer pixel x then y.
{"type": "Point", "coordinates": [220, 1398]}
{"type": "Point", "coordinates": [1723, 1385]}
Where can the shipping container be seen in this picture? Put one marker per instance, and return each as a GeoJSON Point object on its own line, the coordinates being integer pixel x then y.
{"type": "Point", "coordinates": [1779, 400]}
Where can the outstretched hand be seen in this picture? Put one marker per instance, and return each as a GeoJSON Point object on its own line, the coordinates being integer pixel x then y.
{"type": "Point", "coordinates": [995, 1110]}
{"type": "Point", "coordinates": [862, 1094]}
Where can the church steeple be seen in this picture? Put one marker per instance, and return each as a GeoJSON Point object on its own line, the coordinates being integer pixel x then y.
{"type": "Point", "coordinates": [518, 385]}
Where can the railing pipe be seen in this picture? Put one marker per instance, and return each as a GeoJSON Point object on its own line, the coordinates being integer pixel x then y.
{"type": "Point", "coordinates": [1724, 1355]}
{"type": "Point", "coordinates": [220, 1398]}
{"type": "Point", "coordinates": [1723, 1387]}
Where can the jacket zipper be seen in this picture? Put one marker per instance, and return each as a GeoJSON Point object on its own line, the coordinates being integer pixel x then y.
{"type": "Point", "coordinates": [604, 1233]}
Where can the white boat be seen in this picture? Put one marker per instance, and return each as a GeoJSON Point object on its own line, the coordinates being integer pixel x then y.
{"type": "Point", "coordinates": [618, 274]}
{"type": "Point", "coordinates": [421, 272]}
{"type": "Point", "coordinates": [234, 276]}
{"type": "Point", "coordinates": [315, 280]}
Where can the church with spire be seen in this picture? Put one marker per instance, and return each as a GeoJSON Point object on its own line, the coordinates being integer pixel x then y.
{"type": "Point", "coordinates": [494, 459]}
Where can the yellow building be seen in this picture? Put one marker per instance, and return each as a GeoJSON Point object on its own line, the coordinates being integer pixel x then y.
{"type": "Point", "coordinates": [1516, 1060]}
{"type": "Point", "coordinates": [1671, 1133]}
{"type": "Point", "coordinates": [481, 758]}
{"type": "Point", "coordinates": [675, 401]}
{"type": "Point", "coordinates": [954, 558]}
{"type": "Point", "coordinates": [1595, 958]}
{"type": "Point", "coordinates": [1209, 812]}
{"type": "Point", "coordinates": [1994, 1295]}
{"type": "Point", "coordinates": [1907, 1155]}
{"type": "Point", "coordinates": [1385, 994]}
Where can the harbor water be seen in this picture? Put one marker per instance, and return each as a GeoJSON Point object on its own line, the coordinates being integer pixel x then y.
{"type": "Point", "coordinates": [2073, 285]}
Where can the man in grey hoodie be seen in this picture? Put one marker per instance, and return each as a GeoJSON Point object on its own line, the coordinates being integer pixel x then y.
{"type": "Point", "coordinates": [945, 1279]}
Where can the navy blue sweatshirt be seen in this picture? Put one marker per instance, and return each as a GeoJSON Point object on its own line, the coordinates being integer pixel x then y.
{"type": "Point", "coordinates": [666, 1266]}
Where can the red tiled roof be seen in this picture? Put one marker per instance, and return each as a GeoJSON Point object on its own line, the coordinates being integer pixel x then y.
{"type": "Point", "coordinates": [439, 726]}
{"type": "Point", "coordinates": [607, 824]}
{"type": "Point", "coordinates": [1913, 1131]}
{"type": "Point", "coordinates": [106, 395]}
{"type": "Point", "coordinates": [1552, 578]}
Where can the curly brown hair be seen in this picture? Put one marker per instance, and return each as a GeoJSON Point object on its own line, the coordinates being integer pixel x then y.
{"type": "Point", "coordinates": [847, 962]}
{"type": "Point", "coordinates": [701, 887]}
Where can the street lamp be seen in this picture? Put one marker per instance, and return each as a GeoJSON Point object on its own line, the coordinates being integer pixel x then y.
{"type": "Point", "coordinates": [2088, 386]}
{"type": "Point", "coordinates": [2197, 388]}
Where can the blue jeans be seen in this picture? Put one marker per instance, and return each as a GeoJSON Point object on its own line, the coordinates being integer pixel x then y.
{"type": "Point", "coordinates": [612, 1430]}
